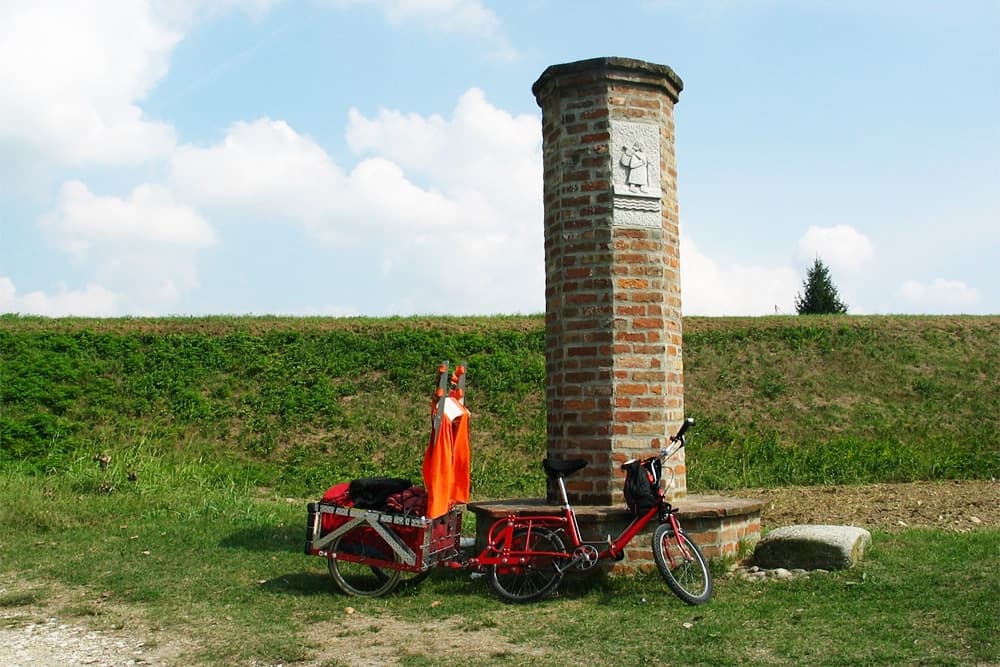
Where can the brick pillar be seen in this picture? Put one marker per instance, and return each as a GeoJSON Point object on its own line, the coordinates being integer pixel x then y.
{"type": "Point", "coordinates": [614, 376]}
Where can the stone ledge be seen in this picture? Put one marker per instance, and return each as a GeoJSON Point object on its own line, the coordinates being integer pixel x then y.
{"type": "Point", "coordinates": [694, 506]}
{"type": "Point", "coordinates": [699, 506]}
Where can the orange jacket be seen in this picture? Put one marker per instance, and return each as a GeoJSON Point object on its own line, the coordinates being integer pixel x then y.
{"type": "Point", "coordinates": [446, 460]}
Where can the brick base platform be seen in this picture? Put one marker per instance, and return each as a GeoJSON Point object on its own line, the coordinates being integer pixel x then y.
{"type": "Point", "coordinates": [716, 523]}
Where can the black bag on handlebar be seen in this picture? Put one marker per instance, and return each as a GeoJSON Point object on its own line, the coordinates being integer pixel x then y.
{"type": "Point", "coordinates": [642, 484]}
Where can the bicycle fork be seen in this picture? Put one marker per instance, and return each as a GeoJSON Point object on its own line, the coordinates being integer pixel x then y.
{"type": "Point", "coordinates": [675, 527]}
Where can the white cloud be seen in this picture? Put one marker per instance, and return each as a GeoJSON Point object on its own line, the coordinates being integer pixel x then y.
{"type": "Point", "coordinates": [488, 164]}
{"type": "Point", "coordinates": [142, 248]}
{"type": "Point", "coordinates": [710, 289]}
{"type": "Point", "coordinates": [939, 296]}
{"type": "Point", "coordinates": [92, 301]}
{"type": "Point", "coordinates": [840, 247]}
{"type": "Point", "coordinates": [474, 168]}
{"type": "Point", "coordinates": [481, 148]}
{"type": "Point", "coordinates": [148, 216]}
{"type": "Point", "coordinates": [264, 166]}
{"type": "Point", "coordinates": [264, 169]}
{"type": "Point", "coordinates": [72, 74]}
{"type": "Point", "coordinates": [464, 17]}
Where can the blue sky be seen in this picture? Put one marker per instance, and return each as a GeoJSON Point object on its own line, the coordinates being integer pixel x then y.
{"type": "Point", "coordinates": [383, 157]}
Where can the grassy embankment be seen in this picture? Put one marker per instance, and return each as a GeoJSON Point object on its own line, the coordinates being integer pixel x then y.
{"type": "Point", "coordinates": [211, 423]}
{"type": "Point", "coordinates": [293, 404]}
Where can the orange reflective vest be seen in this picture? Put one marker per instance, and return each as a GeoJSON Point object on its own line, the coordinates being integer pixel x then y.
{"type": "Point", "coordinates": [446, 460]}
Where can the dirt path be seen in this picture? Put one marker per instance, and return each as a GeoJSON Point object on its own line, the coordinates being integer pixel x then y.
{"type": "Point", "coordinates": [32, 637]}
{"type": "Point", "coordinates": [958, 506]}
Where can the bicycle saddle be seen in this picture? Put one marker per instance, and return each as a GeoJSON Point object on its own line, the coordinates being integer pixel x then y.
{"type": "Point", "coordinates": [556, 468]}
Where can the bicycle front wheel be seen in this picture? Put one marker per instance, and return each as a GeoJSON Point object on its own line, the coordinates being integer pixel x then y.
{"type": "Point", "coordinates": [682, 565]}
{"type": "Point", "coordinates": [533, 576]}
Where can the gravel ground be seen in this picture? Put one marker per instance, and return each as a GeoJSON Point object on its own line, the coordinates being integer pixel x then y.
{"type": "Point", "coordinates": [51, 642]}
{"type": "Point", "coordinates": [30, 637]}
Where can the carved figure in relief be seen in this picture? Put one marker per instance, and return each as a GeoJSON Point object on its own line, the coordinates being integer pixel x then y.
{"type": "Point", "coordinates": [635, 163]}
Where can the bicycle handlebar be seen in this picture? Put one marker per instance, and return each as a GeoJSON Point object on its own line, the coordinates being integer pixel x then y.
{"type": "Point", "coordinates": [677, 441]}
{"type": "Point", "coordinates": [688, 423]}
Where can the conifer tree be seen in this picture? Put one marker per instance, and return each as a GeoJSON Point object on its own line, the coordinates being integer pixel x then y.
{"type": "Point", "coordinates": [819, 295]}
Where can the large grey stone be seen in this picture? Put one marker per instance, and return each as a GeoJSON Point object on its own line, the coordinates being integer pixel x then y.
{"type": "Point", "coordinates": [812, 547]}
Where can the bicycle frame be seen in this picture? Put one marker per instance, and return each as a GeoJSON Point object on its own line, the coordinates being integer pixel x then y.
{"type": "Point", "coordinates": [498, 549]}
{"type": "Point", "coordinates": [615, 547]}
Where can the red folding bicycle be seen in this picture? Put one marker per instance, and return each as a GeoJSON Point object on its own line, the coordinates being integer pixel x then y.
{"type": "Point", "coordinates": [526, 556]}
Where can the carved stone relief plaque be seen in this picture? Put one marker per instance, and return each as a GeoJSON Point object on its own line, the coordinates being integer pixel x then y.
{"type": "Point", "coordinates": [635, 154]}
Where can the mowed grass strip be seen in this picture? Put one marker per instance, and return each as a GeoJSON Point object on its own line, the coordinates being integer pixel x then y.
{"type": "Point", "coordinates": [187, 558]}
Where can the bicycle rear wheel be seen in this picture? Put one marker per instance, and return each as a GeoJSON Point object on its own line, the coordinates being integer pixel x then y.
{"type": "Point", "coordinates": [682, 565]}
{"type": "Point", "coordinates": [538, 575]}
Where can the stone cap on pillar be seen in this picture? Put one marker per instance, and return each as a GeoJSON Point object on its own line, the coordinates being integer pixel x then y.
{"type": "Point", "coordinates": [612, 68]}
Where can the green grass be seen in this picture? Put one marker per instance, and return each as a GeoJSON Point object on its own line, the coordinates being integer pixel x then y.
{"type": "Point", "coordinates": [842, 399]}
{"type": "Point", "coordinates": [184, 553]}
{"type": "Point", "coordinates": [295, 404]}
{"type": "Point", "coordinates": [282, 405]}
{"type": "Point", "coordinates": [213, 424]}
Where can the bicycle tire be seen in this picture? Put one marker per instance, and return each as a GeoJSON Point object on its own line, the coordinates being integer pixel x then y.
{"type": "Point", "coordinates": [537, 576]}
{"type": "Point", "coordinates": [406, 577]}
{"type": "Point", "coordinates": [360, 579]}
{"type": "Point", "coordinates": [682, 565]}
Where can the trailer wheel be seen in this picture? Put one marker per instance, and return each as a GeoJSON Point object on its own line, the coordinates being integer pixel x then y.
{"type": "Point", "coordinates": [359, 579]}
{"type": "Point", "coordinates": [406, 577]}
